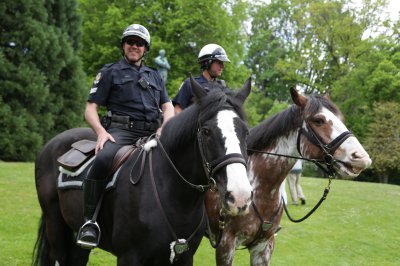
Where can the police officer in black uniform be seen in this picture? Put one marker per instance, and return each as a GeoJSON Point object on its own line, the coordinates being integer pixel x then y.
{"type": "Point", "coordinates": [136, 99]}
{"type": "Point", "coordinates": [211, 58]}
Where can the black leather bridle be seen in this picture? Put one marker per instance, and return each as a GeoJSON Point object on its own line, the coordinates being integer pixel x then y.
{"type": "Point", "coordinates": [211, 167]}
{"type": "Point", "coordinates": [328, 149]}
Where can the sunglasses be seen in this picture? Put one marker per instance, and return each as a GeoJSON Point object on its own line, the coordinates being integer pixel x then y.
{"type": "Point", "coordinates": [138, 43]}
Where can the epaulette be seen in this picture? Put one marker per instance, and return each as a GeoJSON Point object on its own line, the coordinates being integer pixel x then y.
{"type": "Point", "coordinates": [105, 67]}
{"type": "Point", "coordinates": [108, 65]}
{"type": "Point", "coordinates": [222, 82]}
{"type": "Point", "coordinates": [152, 68]}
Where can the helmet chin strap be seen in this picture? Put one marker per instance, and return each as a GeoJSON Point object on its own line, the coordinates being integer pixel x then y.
{"type": "Point", "coordinates": [211, 76]}
{"type": "Point", "coordinates": [208, 70]}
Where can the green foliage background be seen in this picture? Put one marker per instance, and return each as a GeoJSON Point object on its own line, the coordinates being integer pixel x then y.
{"type": "Point", "coordinates": [41, 86]}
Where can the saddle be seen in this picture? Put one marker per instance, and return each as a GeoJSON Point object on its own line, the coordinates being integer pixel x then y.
{"type": "Point", "coordinates": [83, 150]}
{"type": "Point", "coordinates": [80, 152]}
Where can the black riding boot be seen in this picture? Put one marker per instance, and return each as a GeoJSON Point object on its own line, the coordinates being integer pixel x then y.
{"type": "Point", "coordinates": [89, 233]}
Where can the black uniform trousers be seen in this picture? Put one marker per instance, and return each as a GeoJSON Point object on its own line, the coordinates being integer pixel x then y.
{"type": "Point", "coordinates": [103, 162]}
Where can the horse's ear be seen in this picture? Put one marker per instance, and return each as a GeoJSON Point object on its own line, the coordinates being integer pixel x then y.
{"type": "Point", "coordinates": [327, 96]}
{"type": "Point", "coordinates": [197, 89]}
{"type": "Point", "coordinates": [245, 91]}
{"type": "Point", "coordinates": [297, 98]}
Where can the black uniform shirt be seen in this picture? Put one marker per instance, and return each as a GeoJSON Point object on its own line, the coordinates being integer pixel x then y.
{"type": "Point", "coordinates": [185, 94]}
{"type": "Point", "coordinates": [117, 87]}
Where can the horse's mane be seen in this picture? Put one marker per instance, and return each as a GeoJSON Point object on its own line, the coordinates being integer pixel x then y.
{"type": "Point", "coordinates": [283, 123]}
{"type": "Point", "coordinates": [182, 128]}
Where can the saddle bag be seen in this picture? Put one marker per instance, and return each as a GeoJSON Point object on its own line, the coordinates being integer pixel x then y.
{"type": "Point", "coordinates": [80, 153]}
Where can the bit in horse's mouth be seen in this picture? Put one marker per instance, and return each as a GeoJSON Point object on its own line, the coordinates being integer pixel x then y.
{"type": "Point", "coordinates": [347, 169]}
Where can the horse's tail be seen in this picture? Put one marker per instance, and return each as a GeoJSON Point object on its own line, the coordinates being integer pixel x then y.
{"type": "Point", "coordinates": [41, 254]}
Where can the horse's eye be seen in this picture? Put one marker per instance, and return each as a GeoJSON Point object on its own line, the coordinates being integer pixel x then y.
{"type": "Point", "coordinates": [318, 121]}
{"type": "Point", "coordinates": [205, 131]}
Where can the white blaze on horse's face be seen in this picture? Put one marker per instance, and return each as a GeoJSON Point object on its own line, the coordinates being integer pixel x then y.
{"type": "Point", "coordinates": [351, 153]}
{"type": "Point", "coordinates": [237, 182]}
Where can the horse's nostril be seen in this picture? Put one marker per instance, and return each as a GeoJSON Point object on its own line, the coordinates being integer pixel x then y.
{"type": "Point", "coordinates": [356, 156]}
{"type": "Point", "coordinates": [243, 209]}
{"type": "Point", "coordinates": [229, 198]}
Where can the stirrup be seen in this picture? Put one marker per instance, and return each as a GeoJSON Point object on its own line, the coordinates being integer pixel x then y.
{"type": "Point", "coordinates": [85, 244]}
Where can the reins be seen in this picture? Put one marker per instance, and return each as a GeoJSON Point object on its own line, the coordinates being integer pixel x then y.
{"type": "Point", "coordinates": [326, 191]}
{"type": "Point", "coordinates": [180, 245]}
{"type": "Point", "coordinates": [200, 188]}
{"type": "Point", "coordinates": [210, 168]}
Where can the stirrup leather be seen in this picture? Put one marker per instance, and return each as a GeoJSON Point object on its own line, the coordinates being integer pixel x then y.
{"type": "Point", "coordinates": [85, 244]}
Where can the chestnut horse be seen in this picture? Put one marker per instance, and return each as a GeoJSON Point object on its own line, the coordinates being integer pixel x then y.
{"type": "Point", "coordinates": [155, 214]}
{"type": "Point", "coordinates": [311, 129]}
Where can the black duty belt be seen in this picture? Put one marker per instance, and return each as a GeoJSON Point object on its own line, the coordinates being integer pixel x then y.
{"type": "Point", "coordinates": [129, 123]}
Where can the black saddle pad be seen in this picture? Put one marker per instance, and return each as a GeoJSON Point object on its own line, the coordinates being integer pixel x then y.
{"type": "Point", "coordinates": [74, 180]}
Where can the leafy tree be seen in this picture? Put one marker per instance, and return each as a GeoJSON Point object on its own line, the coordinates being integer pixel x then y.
{"type": "Point", "coordinates": [268, 46]}
{"type": "Point", "coordinates": [383, 140]}
{"type": "Point", "coordinates": [180, 27]}
{"type": "Point", "coordinates": [325, 46]}
{"type": "Point", "coordinates": [41, 77]}
{"type": "Point", "coordinates": [307, 43]}
{"type": "Point", "coordinates": [374, 78]}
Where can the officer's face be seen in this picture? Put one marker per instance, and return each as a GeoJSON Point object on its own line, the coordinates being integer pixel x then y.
{"type": "Point", "coordinates": [134, 48]}
{"type": "Point", "coordinates": [216, 68]}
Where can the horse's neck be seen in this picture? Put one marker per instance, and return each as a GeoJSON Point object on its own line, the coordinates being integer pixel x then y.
{"type": "Point", "coordinates": [185, 163]}
{"type": "Point", "coordinates": [269, 171]}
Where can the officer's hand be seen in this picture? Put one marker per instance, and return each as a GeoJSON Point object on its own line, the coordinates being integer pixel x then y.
{"type": "Point", "coordinates": [102, 139]}
{"type": "Point", "coordinates": [159, 131]}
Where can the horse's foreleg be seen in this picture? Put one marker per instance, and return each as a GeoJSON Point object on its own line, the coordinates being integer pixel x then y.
{"type": "Point", "coordinates": [226, 250]}
{"type": "Point", "coordinates": [77, 256]}
{"type": "Point", "coordinates": [260, 254]}
{"type": "Point", "coordinates": [129, 258]}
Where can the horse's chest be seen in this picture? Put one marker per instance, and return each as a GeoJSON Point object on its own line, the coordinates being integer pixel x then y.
{"type": "Point", "coordinates": [246, 228]}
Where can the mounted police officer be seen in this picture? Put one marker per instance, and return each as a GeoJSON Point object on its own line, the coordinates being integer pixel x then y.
{"type": "Point", "coordinates": [212, 58]}
{"type": "Point", "coordinates": [136, 99]}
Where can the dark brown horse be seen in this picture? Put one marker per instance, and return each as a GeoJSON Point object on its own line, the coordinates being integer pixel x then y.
{"type": "Point", "coordinates": [155, 215]}
{"type": "Point", "coordinates": [312, 128]}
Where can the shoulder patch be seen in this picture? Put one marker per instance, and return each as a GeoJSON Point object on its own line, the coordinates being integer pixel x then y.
{"type": "Point", "coordinates": [98, 76]}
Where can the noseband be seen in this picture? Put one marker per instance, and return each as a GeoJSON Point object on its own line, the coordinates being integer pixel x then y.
{"type": "Point", "coordinates": [328, 149]}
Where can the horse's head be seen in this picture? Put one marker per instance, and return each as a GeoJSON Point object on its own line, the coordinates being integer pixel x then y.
{"type": "Point", "coordinates": [221, 136]}
{"type": "Point", "coordinates": [324, 137]}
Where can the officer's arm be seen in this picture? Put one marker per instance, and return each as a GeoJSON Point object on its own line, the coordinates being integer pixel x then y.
{"type": "Point", "coordinates": [92, 118]}
{"type": "Point", "coordinates": [168, 112]}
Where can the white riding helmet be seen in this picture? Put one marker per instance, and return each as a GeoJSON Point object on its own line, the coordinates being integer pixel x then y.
{"type": "Point", "coordinates": [212, 52]}
{"type": "Point", "coordinates": [136, 30]}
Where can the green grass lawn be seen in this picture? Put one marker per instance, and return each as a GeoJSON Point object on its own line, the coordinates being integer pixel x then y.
{"type": "Point", "coordinates": [358, 224]}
